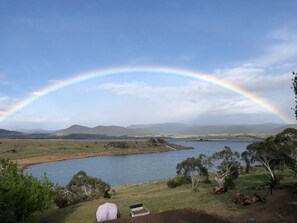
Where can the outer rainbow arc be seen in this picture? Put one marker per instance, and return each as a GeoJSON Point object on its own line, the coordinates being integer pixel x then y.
{"type": "Point", "coordinates": [164, 70]}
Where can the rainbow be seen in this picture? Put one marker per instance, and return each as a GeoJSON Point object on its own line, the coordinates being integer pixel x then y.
{"type": "Point", "coordinates": [143, 69]}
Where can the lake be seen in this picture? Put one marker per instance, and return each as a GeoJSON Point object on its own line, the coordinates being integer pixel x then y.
{"type": "Point", "coordinates": [131, 169]}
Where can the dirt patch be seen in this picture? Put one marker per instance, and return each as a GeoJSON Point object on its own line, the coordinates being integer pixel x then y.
{"type": "Point", "coordinates": [182, 216]}
{"type": "Point", "coordinates": [279, 207]}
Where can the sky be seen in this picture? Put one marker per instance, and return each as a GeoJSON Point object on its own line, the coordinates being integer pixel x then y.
{"type": "Point", "coordinates": [250, 44]}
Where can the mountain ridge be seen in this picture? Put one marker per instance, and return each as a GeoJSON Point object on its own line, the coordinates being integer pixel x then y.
{"type": "Point", "coordinates": [147, 130]}
{"type": "Point", "coordinates": [184, 129]}
{"type": "Point", "coordinates": [103, 130]}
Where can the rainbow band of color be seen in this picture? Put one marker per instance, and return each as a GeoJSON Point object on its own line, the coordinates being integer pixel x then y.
{"type": "Point", "coordinates": [132, 70]}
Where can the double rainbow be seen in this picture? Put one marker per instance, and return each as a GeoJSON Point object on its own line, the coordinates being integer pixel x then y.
{"type": "Point", "coordinates": [143, 69]}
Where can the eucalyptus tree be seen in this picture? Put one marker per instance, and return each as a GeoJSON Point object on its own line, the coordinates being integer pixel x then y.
{"type": "Point", "coordinates": [194, 168]}
{"type": "Point", "coordinates": [266, 153]}
{"type": "Point", "coordinates": [228, 166]}
{"type": "Point", "coordinates": [286, 143]}
{"type": "Point", "coordinates": [246, 157]}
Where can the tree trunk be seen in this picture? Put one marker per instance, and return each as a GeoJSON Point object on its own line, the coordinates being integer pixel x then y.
{"type": "Point", "coordinates": [220, 182]}
{"type": "Point", "coordinates": [247, 168]}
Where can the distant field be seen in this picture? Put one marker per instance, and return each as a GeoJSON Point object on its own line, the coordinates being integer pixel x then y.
{"type": "Point", "coordinates": [244, 136]}
{"type": "Point", "coordinates": [30, 151]}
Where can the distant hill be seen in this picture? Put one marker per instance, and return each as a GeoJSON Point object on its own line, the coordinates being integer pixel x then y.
{"type": "Point", "coordinates": [175, 129]}
{"type": "Point", "coordinates": [9, 134]}
{"type": "Point", "coordinates": [104, 130]}
{"type": "Point", "coordinates": [183, 129]}
{"type": "Point", "coordinates": [35, 131]}
{"type": "Point", "coordinates": [166, 128]}
{"type": "Point", "coordinates": [281, 128]}
{"type": "Point", "coordinates": [230, 129]}
{"type": "Point", "coordinates": [113, 132]}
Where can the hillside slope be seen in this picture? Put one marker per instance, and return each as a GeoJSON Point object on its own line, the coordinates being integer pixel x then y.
{"type": "Point", "coordinates": [104, 130]}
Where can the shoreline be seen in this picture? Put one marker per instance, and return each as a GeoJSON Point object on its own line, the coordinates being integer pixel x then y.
{"type": "Point", "coordinates": [24, 163]}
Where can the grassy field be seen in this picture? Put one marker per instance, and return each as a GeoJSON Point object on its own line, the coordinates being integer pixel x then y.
{"type": "Point", "coordinates": [241, 136]}
{"type": "Point", "coordinates": [22, 148]}
{"type": "Point", "coordinates": [32, 151]}
{"type": "Point", "coordinates": [157, 197]}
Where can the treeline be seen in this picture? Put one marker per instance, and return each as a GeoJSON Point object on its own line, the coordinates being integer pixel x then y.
{"type": "Point", "coordinates": [273, 154]}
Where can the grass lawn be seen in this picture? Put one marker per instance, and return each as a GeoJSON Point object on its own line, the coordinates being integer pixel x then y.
{"type": "Point", "coordinates": [157, 197]}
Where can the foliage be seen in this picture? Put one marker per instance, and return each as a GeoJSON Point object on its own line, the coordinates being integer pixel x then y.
{"type": "Point", "coordinates": [65, 198]}
{"type": "Point", "coordinates": [286, 143]}
{"type": "Point", "coordinates": [264, 152]}
{"type": "Point", "coordinates": [172, 183]}
{"type": "Point", "coordinates": [275, 153]}
{"type": "Point", "coordinates": [20, 194]}
{"type": "Point", "coordinates": [246, 157]}
{"type": "Point", "coordinates": [229, 183]}
{"type": "Point", "coordinates": [195, 169]}
{"type": "Point", "coordinates": [155, 141]}
{"type": "Point", "coordinates": [81, 188]}
{"type": "Point", "coordinates": [177, 181]}
{"type": "Point", "coordinates": [228, 166]}
{"type": "Point", "coordinates": [121, 145]}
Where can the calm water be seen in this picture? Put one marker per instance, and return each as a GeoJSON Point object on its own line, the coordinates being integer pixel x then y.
{"type": "Point", "coordinates": [130, 169]}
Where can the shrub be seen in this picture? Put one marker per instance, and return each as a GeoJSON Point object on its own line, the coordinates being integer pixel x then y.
{"type": "Point", "coordinates": [177, 181]}
{"type": "Point", "coordinates": [155, 141]}
{"type": "Point", "coordinates": [229, 183]}
{"type": "Point", "coordinates": [121, 145]}
{"type": "Point", "coordinates": [21, 195]}
{"type": "Point", "coordinates": [65, 198]}
{"type": "Point", "coordinates": [182, 180]}
{"type": "Point", "coordinates": [81, 188]}
{"type": "Point", "coordinates": [171, 183]}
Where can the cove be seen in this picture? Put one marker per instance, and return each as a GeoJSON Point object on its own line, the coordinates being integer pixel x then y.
{"type": "Point", "coordinates": [132, 169]}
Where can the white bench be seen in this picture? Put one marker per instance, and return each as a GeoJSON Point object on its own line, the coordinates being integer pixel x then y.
{"type": "Point", "coordinates": [138, 210]}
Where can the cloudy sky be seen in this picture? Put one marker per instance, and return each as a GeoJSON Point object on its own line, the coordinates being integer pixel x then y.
{"type": "Point", "coordinates": [251, 44]}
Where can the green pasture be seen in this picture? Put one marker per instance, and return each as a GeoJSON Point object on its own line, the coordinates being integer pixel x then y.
{"type": "Point", "coordinates": [157, 197]}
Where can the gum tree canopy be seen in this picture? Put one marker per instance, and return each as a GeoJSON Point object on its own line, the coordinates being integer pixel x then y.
{"type": "Point", "coordinates": [286, 142]}
{"type": "Point", "coordinates": [228, 166]}
{"type": "Point", "coordinates": [196, 169]}
{"type": "Point", "coordinates": [276, 152]}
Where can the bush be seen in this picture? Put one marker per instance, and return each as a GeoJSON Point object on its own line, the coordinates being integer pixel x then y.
{"type": "Point", "coordinates": [229, 183]}
{"type": "Point", "coordinates": [65, 198]}
{"type": "Point", "coordinates": [177, 181]}
{"type": "Point", "coordinates": [21, 195]}
{"type": "Point", "coordinates": [207, 181]}
{"type": "Point", "coordinates": [155, 141]}
{"type": "Point", "coordinates": [182, 180]}
{"type": "Point", "coordinates": [121, 145]}
{"type": "Point", "coordinates": [82, 188]}
{"type": "Point", "coordinates": [171, 183]}
{"type": "Point", "coordinates": [274, 182]}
